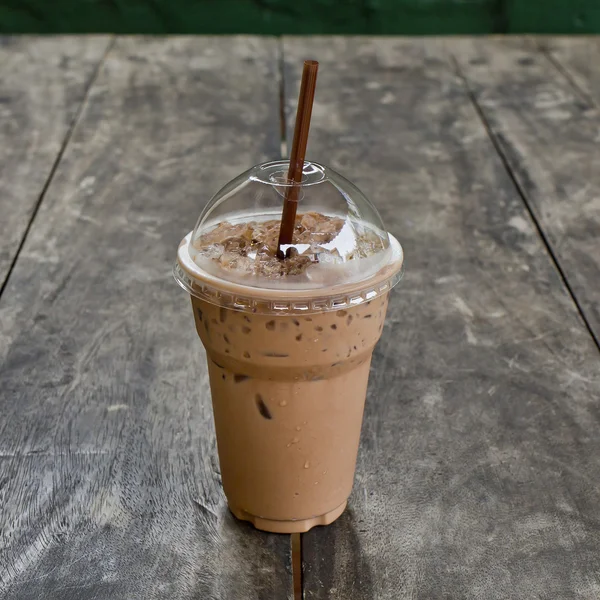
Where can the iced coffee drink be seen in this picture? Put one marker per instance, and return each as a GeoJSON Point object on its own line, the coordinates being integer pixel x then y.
{"type": "Point", "coordinates": [288, 341]}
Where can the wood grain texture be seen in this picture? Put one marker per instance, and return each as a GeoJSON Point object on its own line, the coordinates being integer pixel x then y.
{"type": "Point", "coordinates": [480, 454]}
{"type": "Point", "coordinates": [578, 59]}
{"type": "Point", "coordinates": [549, 136]}
{"type": "Point", "coordinates": [109, 480]}
{"type": "Point", "coordinates": [43, 82]}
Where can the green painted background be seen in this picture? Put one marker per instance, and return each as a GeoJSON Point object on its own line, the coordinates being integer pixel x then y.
{"type": "Point", "coordinates": [300, 16]}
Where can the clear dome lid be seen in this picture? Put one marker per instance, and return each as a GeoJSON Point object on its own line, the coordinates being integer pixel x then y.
{"type": "Point", "coordinates": [339, 239]}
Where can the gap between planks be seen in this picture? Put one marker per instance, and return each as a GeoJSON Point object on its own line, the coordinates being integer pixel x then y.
{"type": "Point", "coordinates": [57, 160]}
{"type": "Point", "coordinates": [282, 115]}
{"type": "Point", "coordinates": [297, 565]}
{"type": "Point", "coordinates": [523, 196]}
{"type": "Point", "coordinates": [554, 61]}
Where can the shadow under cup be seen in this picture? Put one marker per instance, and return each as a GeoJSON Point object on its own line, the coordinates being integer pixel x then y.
{"type": "Point", "coordinates": [288, 394]}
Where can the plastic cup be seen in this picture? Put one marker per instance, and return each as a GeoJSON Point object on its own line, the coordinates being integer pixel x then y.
{"type": "Point", "coordinates": [289, 359]}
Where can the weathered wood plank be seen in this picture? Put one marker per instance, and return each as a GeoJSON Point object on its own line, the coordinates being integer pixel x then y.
{"type": "Point", "coordinates": [43, 82]}
{"type": "Point", "coordinates": [549, 136]}
{"type": "Point", "coordinates": [480, 456]}
{"type": "Point", "coordinates": [110, 485]}
{"type": "Point", "coordinates": [578, 58]}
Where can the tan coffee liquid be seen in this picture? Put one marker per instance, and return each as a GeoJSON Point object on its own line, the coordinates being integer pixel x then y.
{"type": "Point", "coordinates": [288, 396]}
{"type": "Point", "coordinates": [288, 390]}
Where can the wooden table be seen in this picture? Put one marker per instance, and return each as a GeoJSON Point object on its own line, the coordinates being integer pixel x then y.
{"type": "Point", "coordinates": [479, 471]}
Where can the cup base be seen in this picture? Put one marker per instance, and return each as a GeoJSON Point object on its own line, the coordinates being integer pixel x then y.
{"type": "Point", "coordinates": [296, 526]}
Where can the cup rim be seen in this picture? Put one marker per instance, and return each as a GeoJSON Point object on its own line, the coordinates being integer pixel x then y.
{"type": "Point", "coordinates": [201, 284]}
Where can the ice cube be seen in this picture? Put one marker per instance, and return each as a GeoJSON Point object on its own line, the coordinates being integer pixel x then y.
{"type": "Point", "coordinates": [330, 258]}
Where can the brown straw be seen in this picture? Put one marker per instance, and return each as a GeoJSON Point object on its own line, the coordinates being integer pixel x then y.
{"type": "Point", "coordinates": [305, 104]}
